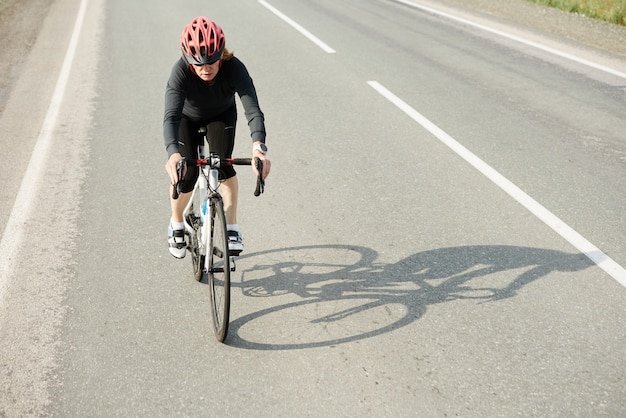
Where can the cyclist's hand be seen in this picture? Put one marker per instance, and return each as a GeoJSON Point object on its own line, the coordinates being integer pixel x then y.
{"type": "Point", "coordinates": [267, 164]}
{"type": "Point", "coordinates": [171, 166]}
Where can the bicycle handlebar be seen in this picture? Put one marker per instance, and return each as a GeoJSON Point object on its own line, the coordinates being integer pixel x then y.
{"type": "Point", "coordinates": [260, 181]}
{"type": "Point", "coordinates": [183, 163]}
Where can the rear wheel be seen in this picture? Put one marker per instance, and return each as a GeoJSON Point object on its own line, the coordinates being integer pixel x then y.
{"type": "Point", "coordinates": [197, 256]}
{"type": "Point", "coordinates": [217, 264]}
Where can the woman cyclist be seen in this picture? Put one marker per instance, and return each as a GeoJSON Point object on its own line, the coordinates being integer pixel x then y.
{"type": "Point", "coordinates": [201, 93]}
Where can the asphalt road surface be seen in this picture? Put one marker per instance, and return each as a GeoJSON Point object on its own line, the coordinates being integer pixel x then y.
{"type": "Point", "coordinates": [442, 233]}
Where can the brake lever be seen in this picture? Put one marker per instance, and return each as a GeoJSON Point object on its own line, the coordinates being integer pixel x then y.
{"type": "Point", "coordinates": [260, 181]}
{"type": "Point", "coordinates": [180, 169]}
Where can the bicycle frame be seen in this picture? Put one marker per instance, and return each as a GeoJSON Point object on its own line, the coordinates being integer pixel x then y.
{"type": "Point", "coordinates": [207, 186]}
{"type": "Point", "coordinates": [205, 227]}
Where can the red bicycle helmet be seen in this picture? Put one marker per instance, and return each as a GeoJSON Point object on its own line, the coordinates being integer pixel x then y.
{"type": "Point", "coordinates": [202, 41]}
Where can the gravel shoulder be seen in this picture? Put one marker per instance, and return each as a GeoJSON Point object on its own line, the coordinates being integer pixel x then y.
{"type": "Point", "coordinates": [19, 24]}
{"type": "Point", "coordinates": [603, 36]}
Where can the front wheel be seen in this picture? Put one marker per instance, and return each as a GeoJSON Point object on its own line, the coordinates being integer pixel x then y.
{"type": "Point", "coordinates": [217, 265]}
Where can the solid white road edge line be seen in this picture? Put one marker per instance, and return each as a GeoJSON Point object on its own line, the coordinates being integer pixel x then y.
{"type": "Point", "coordinates": [603, 261]}
{"type": "Point", "coordinates": [297, 27]}
{"type": "Point", "coordinates": [516, 39]}
{"type": "Point", "coordinates": [13, 231]}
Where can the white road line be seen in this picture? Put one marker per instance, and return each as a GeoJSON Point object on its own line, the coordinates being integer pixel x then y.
{"type": "Point", "coordinates": [297, 27]}
{"type": "Point", "coordinates": [603, 261]}
{"type": "Point", "coordinates": [13, 231]}
{"type": "Point", "coordinates": [516, 39]}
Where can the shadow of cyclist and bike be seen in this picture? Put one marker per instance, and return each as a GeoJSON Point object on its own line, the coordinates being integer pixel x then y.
{"type": "Point", "coordinates": [329, 295]}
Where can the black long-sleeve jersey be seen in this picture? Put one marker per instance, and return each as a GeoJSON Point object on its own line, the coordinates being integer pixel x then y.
{"type": "Point", "coordinates": [188, 94]}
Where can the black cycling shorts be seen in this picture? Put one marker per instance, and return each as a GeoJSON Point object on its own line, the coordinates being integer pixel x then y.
{"type": "Point", "coordinates": [221, 137]}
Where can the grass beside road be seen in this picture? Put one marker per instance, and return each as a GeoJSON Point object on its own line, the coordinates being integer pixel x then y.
{"type": "Point", "coordinates": [613, 11]}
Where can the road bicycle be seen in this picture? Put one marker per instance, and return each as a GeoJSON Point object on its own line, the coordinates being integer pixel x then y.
{"type": "Point", "coordinates": [205, 230]}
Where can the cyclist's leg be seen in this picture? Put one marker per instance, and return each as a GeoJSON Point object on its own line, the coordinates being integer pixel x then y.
{"type": "Point", "coordinates": [221, 137]}
{"type": "Point", "coordinates": [188, 140]}
{"type": "Point", "coordinates": [230, 191]}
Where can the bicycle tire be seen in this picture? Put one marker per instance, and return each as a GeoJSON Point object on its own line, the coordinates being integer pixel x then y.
{"type": "Point", "coordinates": [217, 264]}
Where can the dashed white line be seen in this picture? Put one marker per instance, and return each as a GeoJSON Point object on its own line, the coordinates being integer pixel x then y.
{"type": "Point", "coordinates": [603, 261]}
{"type": "Point", "coordinates": [297, 27]}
